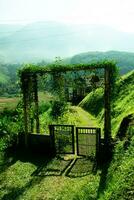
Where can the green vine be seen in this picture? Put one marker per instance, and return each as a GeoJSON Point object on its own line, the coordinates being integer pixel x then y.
{"type": "Point", "coordinates": [57, 71]}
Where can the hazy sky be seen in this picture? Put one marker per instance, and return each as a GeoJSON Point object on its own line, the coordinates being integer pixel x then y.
{"type": "Point", "coordinates": [116, 13]}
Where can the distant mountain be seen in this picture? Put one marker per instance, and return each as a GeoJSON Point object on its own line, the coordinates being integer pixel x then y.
{"type": "Point", "coordinates": [42, 40]}
{"type": "Point", "coordinates": [124, 60]}
{"type": "Point", "coordinates": [9, 29]}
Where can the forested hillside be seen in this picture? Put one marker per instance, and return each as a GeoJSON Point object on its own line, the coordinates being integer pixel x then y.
{"type": "Point", "coordinates": [124, 60]}
{"type": "Point", "coordinates": [8, 79]}
{"type": "Point", "coordinates": [8, 72]}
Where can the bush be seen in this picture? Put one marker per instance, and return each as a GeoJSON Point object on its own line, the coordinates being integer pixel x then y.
{"type": "Point", "coordinates": [10, 126]}
{"type": "Point", "coordinates": [43, 107]}
{"type": "Point", "coordinates": [58, 108]}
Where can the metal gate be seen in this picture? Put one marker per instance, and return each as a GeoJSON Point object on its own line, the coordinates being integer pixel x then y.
{"type": "Point", "coordinates": [87, 141]}
{"type": "Point", "coordinates": [63, 138]}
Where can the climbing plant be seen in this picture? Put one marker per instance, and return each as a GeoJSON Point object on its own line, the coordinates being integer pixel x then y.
{"type": "Point", "coordinates": [29, 76]}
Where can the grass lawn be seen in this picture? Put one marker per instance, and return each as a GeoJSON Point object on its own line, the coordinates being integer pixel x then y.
{"type": "Point", "coordinates": [39, 177]}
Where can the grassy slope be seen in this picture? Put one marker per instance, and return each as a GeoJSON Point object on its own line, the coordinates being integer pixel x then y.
{"type": "Point", "coordinates": [79, 117]}
{"type": "Point", "coordinates": [19, 181]}
{"type": "Point", "coordinates": [122, 102]}
{"type": "Point", "coordinates": [119, 183]}
{"type": "Point", "coordinates": [119, 175]}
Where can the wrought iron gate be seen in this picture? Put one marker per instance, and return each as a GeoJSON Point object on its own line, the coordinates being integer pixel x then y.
{"type": "Point", "coordinates": [87, 140]}
{"type": "Point", "coordinates": [63, 138]}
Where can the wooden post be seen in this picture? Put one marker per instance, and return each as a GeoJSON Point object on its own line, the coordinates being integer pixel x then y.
{"type": "Point", "coordinates": [24, 83]}
{"type": "Point", "coordinates": [107, 112]}
{"type": "Point", "coordinates": [35, 88]}
{"type": "Point", "coordinates": [98, 140]}
{"type": "Point", "coordinates": [52, 136]}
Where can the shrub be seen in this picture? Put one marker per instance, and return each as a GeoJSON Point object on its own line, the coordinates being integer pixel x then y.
{"type": "Point", "coordinates": [58, 108]}
{"type": "Point", "coordinates": [10, 126]}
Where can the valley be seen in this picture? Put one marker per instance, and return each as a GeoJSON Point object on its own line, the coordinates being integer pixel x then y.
{"type": "Point", "coordinates": [25, 175]}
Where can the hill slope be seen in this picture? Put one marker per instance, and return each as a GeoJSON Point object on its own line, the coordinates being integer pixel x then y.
{"type": "Point", "coordinates": [8, 79]}
{"type": "Point", "coordinates": [117, 176]}
{"type": "Point", "coordinates": [124, 60]}
{"type": "Point", "coordinates": [122, 101]}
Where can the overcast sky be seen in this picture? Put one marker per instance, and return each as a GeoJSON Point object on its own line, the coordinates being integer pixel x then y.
{"type": "Point", "coordinates": [118, 14]}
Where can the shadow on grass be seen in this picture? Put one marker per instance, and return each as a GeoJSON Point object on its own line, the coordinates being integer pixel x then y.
{"type": "Point", "coordinates": [11, 157]}
{"type": "Point", "coordinates": [46, 165]}
{"type": "Point", "coordinates": [56, 167]}
{"type": "Point", "coordinates": [103, 177]}
{"type": "Point", "coordinates": [39, 160]}
{"type": "Point", "coordinates": [7, 159]}
{"type": "Point", "coordinates": [81, 167]}
{"type": "Point", "coordinates": [15, 193]}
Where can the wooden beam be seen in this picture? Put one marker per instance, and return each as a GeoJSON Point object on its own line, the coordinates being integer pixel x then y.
{"type": "Point", "coordinates": [24, 82]}
{"type": "Point", "coordinates": [35, 88]}
{"type": "Point", "coordinates": [107, 107]}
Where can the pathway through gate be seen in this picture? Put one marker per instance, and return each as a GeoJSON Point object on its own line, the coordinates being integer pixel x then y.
{"type": "Point", "coordinates": [81, 142]}
{"type": "Point", "coordinates": [87, 140]}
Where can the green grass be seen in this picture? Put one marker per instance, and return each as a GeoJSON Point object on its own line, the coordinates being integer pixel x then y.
{"type": "Point", "coordinates": [117, 179]}
{"type": "Point", "coordinates": [78, 117]}
{"type": "Point", "coordinates": [39, 178]}
{"type": "Point", "coordinates": [73, 115]}
{"type": "Point", "coordinates": [120, 177]}
{"type": "Point", "coordinates": [122, 102]}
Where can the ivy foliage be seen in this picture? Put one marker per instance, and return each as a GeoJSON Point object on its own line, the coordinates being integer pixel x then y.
{"type": "Point", "coordinates": [57, 70]}
{"type": "Point", "coordinates": [29, 76]}
{"type": "Point", "coordinates": [60, 67]}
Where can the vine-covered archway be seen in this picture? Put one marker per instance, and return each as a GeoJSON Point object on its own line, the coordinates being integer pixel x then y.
{"type": "Point", "coordinates": [29, 78]}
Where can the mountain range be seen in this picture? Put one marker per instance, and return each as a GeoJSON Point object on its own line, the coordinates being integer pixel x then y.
{"type": "Point", "coordinates": [47, 40]}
